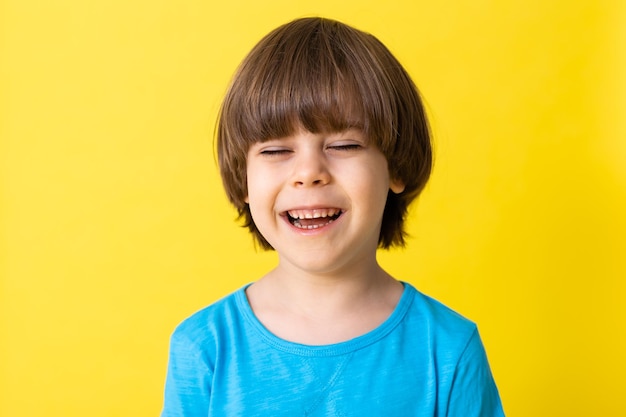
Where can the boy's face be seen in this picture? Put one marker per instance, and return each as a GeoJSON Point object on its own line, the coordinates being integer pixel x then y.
{"type": "Point", "coordinates": [319, 198]}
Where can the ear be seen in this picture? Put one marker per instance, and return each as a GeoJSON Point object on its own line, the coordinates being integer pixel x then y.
{"type": "Point", "coordinates": [246, 200]}
{"type": "Point", "coordinates": [396, 186]}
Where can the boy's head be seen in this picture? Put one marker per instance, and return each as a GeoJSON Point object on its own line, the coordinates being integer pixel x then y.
{"type": "Point", "coordinates": [324, 76]}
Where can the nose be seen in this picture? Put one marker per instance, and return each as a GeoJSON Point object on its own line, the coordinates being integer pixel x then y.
{"type": "Point", "coordinates": [310, 169]}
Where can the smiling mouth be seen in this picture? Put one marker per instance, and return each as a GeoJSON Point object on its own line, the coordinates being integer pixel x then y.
{"type": "Point", "coordinates": [313, 219]}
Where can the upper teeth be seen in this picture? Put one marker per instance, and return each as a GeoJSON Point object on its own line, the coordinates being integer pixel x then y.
{"type": "Point", "coordinates": [313, 214]}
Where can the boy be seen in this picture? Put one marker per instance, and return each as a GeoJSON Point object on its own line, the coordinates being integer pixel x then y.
{"type": "Point", "coordinates": [322, 144]}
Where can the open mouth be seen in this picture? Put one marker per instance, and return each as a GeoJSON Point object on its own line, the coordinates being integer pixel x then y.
{"type": "Point", "coordinates": [313, 219]}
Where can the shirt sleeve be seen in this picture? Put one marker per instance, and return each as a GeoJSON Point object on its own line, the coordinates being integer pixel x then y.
{"type": "Point", "coordinates": [474, 392]}
{"type": "Point", "coordinates": [188, 380]}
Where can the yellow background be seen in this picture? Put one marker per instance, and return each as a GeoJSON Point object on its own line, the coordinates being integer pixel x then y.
{"type": "Point", "coordinates": [114, 226]}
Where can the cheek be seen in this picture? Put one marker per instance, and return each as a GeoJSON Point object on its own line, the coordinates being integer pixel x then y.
{"type": "Point", "coordinates": [377, 176]}
{"type": "Point", "coordinates": [259, 193]}
{"type": "Point", "coordinates": [371, 190]}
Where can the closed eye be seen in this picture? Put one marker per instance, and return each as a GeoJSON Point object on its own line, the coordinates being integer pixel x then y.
{"type": "Point", "coordinates": [274, 151]}
{"type": "Point", "coordinates": [345, 147]}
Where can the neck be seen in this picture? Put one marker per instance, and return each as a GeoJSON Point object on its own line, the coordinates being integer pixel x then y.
{"type": "Point", "coordinates": [328, 291]}
{"type": "Point", "coordinates": [314, 308]}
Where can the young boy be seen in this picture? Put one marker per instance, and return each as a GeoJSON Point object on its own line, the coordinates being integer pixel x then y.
{"type": "Point", "coordinates": [323, 143]}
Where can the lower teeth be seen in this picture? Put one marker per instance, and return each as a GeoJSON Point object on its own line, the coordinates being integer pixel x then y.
{"type": "Point", "coordinates": [310, 226]}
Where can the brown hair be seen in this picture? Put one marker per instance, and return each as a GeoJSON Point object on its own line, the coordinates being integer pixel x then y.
{"type": "Point", "coordinates": [325, 76]}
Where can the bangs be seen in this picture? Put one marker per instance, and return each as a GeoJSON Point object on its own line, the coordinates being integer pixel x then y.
{"type": "Point", "coordinates": [322, 99]}
{"type": "Point", "coordinates": [315, 79]}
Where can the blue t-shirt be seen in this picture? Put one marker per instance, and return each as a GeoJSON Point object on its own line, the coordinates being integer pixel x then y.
{"type": "Point", "coordinates": [424, 361]}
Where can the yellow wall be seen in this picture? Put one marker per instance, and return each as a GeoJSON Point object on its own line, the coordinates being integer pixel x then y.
{"type": "Point", "coordinates": [114, 227]}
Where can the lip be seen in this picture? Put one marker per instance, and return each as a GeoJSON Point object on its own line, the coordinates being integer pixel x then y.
{"type": "Point", "coordinates": [312, 219]}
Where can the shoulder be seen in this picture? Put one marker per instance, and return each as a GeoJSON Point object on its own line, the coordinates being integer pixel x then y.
{"type": "Point", "coordinates": [204, 327]}
{"type": "Point", "coordinates": [437, 313]}
{"type": "Point", "coordinates": [441, 323]}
